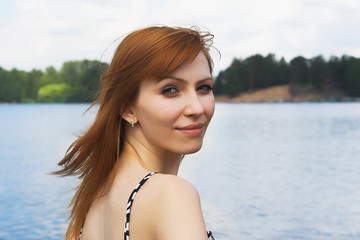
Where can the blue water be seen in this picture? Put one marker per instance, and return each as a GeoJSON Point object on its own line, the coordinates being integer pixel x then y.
{"type": "Point", "coordinates": [266, 171]}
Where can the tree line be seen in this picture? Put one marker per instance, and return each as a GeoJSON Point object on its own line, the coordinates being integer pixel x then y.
{"type": "Point", "coordinates": [79, 81]}
{"type": "Point", "coordinates": [76, 81]}
{"type": "Point", "coordinates": [315, 74]}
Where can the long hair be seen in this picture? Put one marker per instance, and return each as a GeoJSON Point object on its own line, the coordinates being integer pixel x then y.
{"type": "Point", "coordinates": [149, 53]}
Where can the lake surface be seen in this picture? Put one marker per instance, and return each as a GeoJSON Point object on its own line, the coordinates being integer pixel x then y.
{"type": "Point", "coordinates": [266, 171]}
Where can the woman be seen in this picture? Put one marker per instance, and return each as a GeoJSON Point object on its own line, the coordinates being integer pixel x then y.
{"type": "Point", "coordinates": [155, 103]}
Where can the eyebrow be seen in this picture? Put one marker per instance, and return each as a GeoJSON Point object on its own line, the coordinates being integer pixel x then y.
{"type": "Point", "coordinates": [183, 80]}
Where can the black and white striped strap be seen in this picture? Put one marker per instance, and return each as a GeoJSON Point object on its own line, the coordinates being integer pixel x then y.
{"type": "Point", "coordinates": [130, 202]}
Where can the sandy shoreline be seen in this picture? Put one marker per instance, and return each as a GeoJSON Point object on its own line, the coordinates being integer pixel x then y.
{"type": "Point", "coordinates": [273, 94]}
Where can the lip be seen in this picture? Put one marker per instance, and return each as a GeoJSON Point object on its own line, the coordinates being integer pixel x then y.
{"type": "Point", "coordinates": [192, 129]}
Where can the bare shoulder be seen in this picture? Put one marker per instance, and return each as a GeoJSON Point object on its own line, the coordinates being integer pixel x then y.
{"type": "Point", "coordinates": [164, 190]}
{"type": "Point", "coordinates": [171, 186]}
{"type": "Point", "coordinates": [175, 205]}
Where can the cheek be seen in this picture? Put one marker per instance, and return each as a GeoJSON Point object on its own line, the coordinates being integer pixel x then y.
{"type": "Point", "coordinates": [168, 111]}
{"type": "Point", "coordinates": [159, 113]}
{"type": "Point", "coordinates": [209, 106]}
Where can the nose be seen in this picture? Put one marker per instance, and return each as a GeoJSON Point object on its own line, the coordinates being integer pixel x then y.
{"type": "Point", "coordinates": [194, 106]}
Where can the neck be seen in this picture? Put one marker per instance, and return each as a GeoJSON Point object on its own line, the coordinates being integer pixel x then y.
{"type": "Point", "coordinates": [151, 160]}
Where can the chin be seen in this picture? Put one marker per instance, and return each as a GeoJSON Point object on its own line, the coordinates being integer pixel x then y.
{"type": "Point", "coordinates": [192, 149]}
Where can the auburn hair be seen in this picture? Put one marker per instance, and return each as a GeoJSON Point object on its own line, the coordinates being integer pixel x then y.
{"type": "Point", "coordinates": [149, 53]}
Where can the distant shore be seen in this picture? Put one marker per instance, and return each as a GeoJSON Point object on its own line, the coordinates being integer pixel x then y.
{"type": "Point", "coordinates": [277, 94]}
{"type": "Point", "coordinates": [282, 94]}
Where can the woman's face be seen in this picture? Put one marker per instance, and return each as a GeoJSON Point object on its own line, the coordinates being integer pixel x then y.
{"type": "Point", "coordinates": [173, 113]}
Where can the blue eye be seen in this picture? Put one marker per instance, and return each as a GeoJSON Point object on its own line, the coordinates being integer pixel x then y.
{"type": "Point", "coordinates": [169, 90]}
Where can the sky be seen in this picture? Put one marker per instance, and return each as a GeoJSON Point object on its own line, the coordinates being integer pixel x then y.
{"type": "Point", "coordinates": [42, 33]}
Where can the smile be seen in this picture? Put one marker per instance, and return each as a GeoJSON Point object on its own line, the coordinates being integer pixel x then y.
{"type": "Point", "coordinates": [192, 129]}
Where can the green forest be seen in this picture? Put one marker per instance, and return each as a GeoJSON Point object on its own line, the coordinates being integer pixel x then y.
{"type": "Point", "coordinates": [336, 75]}
{"type": "Point", "coordinates": [76, 81]}
{"type": "Point", "coordinates": [79, 81]}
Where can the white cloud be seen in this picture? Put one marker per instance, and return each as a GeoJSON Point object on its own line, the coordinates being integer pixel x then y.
{"type": "Point", "coordinates": [43, 32]}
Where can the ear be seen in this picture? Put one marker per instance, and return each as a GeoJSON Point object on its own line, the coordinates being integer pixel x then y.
{"type": "Point", "coordinates": [129, 115]}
